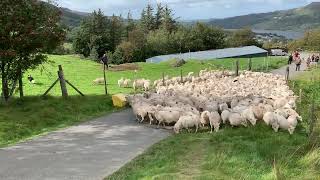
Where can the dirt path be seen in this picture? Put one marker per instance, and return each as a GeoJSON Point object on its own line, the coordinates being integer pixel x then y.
{"type": "Point", "coordinates": [88, 151]}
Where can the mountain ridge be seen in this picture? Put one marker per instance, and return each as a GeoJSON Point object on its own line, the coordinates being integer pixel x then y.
{"type": "Point", "coordinates": [298, 19]}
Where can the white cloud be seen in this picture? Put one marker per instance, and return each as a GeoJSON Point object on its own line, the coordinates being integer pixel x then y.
{"type": "Point", "coordinates": [186, 9]}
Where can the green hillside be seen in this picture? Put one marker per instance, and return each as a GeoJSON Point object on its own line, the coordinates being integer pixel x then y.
{"type": "Point", "coordinates": [299, 19]}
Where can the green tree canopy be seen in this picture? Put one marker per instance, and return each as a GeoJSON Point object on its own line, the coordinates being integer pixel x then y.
{"type": "Point", "coordinates": [28, 28]}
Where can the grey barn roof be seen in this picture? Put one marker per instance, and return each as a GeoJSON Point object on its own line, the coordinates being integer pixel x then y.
{"type": "Point", "coordinates": [211, 54]}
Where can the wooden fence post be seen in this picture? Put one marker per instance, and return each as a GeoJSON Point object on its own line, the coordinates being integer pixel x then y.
{"type": "Point", "coordinates": [105, 79]}
{"type": "Point", "coordinates": [62, 82]}
{"type": "Point", "coordinates": [181, 76]}
{"type": "Point", "coordinates": [163, 81]}
{"type": "Point", "coordinates": [250, 65]}
{"type": "Point", "coordinates": [287, 74]}
{"type": "Point", "coordinates": [237, 67]}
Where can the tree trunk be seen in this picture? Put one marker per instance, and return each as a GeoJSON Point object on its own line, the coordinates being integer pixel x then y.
{"type": "Point", "coordinates": [20, 84]}
{"type": "Point", "coordinates": [5, 89]}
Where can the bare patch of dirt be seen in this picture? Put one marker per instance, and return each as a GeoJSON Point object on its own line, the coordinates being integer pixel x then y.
{"type": "Point", "coordinates": [124, 67]}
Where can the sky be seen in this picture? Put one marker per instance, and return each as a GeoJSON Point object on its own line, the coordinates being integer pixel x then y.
{"type": "Point", "coordinates": [186, 9]}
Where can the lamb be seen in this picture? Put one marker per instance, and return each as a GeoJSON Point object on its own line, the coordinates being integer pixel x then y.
{"type": "Point", "coordinates": [126, 83]}
{"type": "Point", "coordinates": [98, 81]}
{"type": "Point", "coordinates": [120, 82]}
{"type": "Point", "coordinates": [186, 122]}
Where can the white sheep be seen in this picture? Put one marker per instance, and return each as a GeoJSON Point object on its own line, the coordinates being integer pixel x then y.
{"type": "Point", "coordinates": [186, 122]}
{"type": "Point", "coordinates": [146, 85]}
{"type": "Point", "coordinates": [126, 83]}
{"type": "Point", "coordinates": [167, 117]}
{"type": "Point", "coordinates": [215, 121]}
{"type": "Point", "coordinates": [235, 119]}
{"type": "Point", "coordinates": [98, 81]}
{"type": "Point", "coordinates": [120, 82]}
{"type": "Point", "coordinates": [223, 106]}
{"type": "Point", "coordinates": [225, 116]}
{"type": "Point", "coordinates": [248, 115]}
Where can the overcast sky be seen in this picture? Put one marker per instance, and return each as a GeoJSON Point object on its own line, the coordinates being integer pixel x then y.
{"type": "Point", "coordinates": [186, 9]}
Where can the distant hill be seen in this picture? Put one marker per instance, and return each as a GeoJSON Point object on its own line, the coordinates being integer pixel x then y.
{"type": "Point", "coordinates": [72, 18]}
{"type": "Point", "coordinates": [298, 19]}
{"type": "Point", "coordinates": [69, 17]}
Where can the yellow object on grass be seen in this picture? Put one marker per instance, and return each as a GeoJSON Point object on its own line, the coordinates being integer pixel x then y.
{"type": "Point", "coordinates": [119, 100]}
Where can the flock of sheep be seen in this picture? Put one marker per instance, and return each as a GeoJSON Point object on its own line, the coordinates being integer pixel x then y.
{"type": "Point", "coordinates": [214, 98]}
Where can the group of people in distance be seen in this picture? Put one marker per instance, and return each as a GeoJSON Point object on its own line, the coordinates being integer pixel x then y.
{"type": "Point", "coordinates": [295, 57]}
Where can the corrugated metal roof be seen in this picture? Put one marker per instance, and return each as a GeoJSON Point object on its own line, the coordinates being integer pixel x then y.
{"type": "Point", "coordinates": [211, 54]}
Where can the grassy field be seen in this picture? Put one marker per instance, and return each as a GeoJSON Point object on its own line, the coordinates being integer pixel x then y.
{"type": "Point", "coordinates": [239, 153]}
{"type": "Point", "coordinates": [82, 72]}
{"type": "Point", "coordinates": [21, 119]}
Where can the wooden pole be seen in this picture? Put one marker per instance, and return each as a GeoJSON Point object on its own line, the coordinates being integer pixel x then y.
{"type": "Point", "coordinates": [237, 67]}
{"type": "Point", "coordinates": [250, 64]}
{"type": "Point", "coordinates": [181, 78]}
{"type": "Point", "coordinates": [63, 86]}
{"type": "Point", "coordinates": [75, 88]}
{"type": "Point", "coordinates": [105, 79]}
{"type": "Point", "coordinates": [51, 87]}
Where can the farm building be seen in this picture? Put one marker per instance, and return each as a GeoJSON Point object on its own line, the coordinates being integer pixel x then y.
{"type": "Point", "coordinates": [247, 51]}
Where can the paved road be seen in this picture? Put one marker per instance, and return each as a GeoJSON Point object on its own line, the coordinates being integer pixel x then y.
{"type": "Point", "coordinates": [88, 151]}
{"type": "Point", "coordinates": [292, 73]}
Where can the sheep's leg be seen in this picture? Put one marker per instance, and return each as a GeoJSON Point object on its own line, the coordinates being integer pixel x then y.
{"type": "Point", "coordinates": [142, 119]}
{"type": "Point", "coordinates": [211, 126]}
{"type": "Point", "coordinates": [151, 119]}
{"type": "Point", "coordinates": [197, 128]}
{"type": "Point", "coordinates": [159, 124]}
{"type": "Point", "coordinates": [137, 118]}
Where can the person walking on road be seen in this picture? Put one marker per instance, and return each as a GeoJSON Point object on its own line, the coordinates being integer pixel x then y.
{"type": "Point", "coordinates": [298, 63]}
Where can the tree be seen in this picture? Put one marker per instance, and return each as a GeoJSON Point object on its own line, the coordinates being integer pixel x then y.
{"type": "Point", "coordinates": [29, 28]}
{"type": "Point", "coordinates": [158, 16]}
{"type": "Point", "coordinates": [168, 22]}
{"type": "Point", "coordinates": [116, 31]}
{"type": "Point", "coordinates": [130, 24]}
{"type": "Point", "coordinates": [147, 19]}
{"type": "Point", "coordinates": [243, 37]}
{"type": "Point", "coordinates": [93, 35]}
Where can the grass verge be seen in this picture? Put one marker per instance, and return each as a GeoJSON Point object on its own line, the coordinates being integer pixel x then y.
{"type": "Point", "coordinates": [23, 118]}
